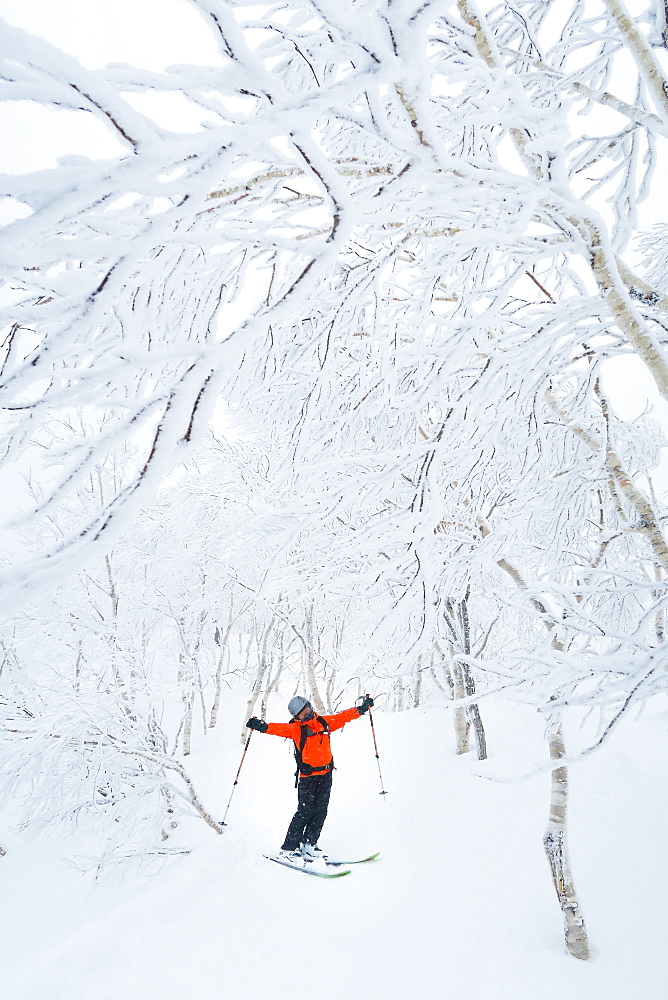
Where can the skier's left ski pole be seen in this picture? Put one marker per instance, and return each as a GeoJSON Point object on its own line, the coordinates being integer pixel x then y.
{"type": "Point", "coordinates": [236, 780]}
{"type": "Point", "coordinates": [373, 733]}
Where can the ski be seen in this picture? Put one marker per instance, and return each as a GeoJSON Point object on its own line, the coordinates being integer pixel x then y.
{"type": "Point", "coordinates": [361, 861]}
{"type": "Point", "coordinates": [306, 871]}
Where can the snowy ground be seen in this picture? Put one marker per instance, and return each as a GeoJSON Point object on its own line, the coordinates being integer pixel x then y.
{"type": "Point", "coordinates": [459, 906]}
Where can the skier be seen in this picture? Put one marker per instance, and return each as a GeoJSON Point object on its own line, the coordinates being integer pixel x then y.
{"type": "Point", "coordinates": [310, 734]}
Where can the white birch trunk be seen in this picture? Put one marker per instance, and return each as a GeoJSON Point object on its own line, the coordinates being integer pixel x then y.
{"type": "Point", "coordinates": [472, 710]}
{"type": "Point", "coordinates": [461, 714]}
{"type": "Point", "coordinates": [259, 678]}
{"type": "Point", "coordinates": [417, 687]}
{"type": "Point", "coordinates": [554, 841]}
{"type": "Point", "coordinates": [309, 663]}
{"type": "Point", "coordinates": [119, 681]}
{"type": "Point", "coordinates": [270, 688]}
{"type": "Point", "coordinates": [554, 838]}
{"type": "Point", "coordinates": [187, 723]}
{"type": "Point", "coordinates": [475, 721]}
{"type": "Point", "coordinates": [643, 54]}
{"type": "Point", "coordinates": [223, 657]}
{"type": "Point", "coordinates": [660, 619]}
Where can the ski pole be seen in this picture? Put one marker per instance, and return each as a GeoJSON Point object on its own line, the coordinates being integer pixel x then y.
{"type": "Point", "coordinates": [236, 780]}
{"type": "Point", "coordinates": [373, 733]}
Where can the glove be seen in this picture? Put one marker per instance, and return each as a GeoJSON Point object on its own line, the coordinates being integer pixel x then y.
{"type": "Point", "coordinates": [367, 703]}
{"type": "Point", "coordinates": [258, 724]}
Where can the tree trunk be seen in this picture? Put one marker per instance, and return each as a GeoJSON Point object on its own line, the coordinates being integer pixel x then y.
{"type": "Point", "coordinates": [271, 687]}
{"type": "Point", "coordinates": [259, 678]}
{"type": "Point", "coordinates": [456, 618]}
{"type": "Point", "coordinates": [224, 657]}
{"type": "Point", "coordinates": [309, 663]}
{"type": "Point", "coordinates": [121, 686]}
{"type": "Point", "coordinates": [203, 704]}
{"type": "Point", "coordinates": [213, 718]}
{"type": "Point", "coordinates": [77, 667]}
{"type": "Point", "coordinates": [461, 715]}
{"type": "Point", "coordinates": [417, 687]}
{"type": "Point", "coordinates": [447, 673]}
{"type": "Point", "coordinates": [638, 45]}
{"type": "Point", "coordinates": [475, 721]}
{"type": "Point", "coordinates": [472, 710]}
{"type": "Point", "coordinates": [660, 619]}
{"type": "Point", "coordinates": [329, 691]}
{"type": "Point", "coordinates": [187, 722]}
{"type": "Point", "coordinates": [554, 841]}
{"type": "Point", "coordinates": [398, 695]}
{"type": "Point", "coordinates": [185, 679]}
{"type": "Point", "coordinates": [554, 838]}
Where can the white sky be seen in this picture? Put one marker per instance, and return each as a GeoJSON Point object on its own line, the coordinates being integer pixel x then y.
{"type": "Point", "coordinates": [151, 34]}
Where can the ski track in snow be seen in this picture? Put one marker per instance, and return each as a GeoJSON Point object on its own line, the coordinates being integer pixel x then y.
{"type": "Point", "coordinates": [459, 906]}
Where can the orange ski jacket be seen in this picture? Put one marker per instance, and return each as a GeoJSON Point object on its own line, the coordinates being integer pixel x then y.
{"type": "Point", "coordinates": [317, 753]}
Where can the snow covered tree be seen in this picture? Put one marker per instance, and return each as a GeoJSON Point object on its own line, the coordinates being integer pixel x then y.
{"type": "Point", "coordinates": [398, 251]}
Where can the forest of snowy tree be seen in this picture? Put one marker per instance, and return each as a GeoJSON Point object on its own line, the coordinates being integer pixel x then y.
{"type": "Point", "coordinates": [315, 394]}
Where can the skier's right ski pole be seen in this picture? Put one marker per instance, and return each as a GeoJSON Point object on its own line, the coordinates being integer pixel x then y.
{"type": "Point", "coordinates": [373, 733]}
{"type": "Point", "coordinates": [236, 780]}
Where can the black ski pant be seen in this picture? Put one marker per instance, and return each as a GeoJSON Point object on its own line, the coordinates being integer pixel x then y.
{"type": "Point", "coordinates": [313, 800]}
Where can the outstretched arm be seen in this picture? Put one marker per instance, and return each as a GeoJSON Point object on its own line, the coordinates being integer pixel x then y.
{"type": "Point", "coordinates": [339, 720]}
{"type": "Point", "coordinates": [274, 728]}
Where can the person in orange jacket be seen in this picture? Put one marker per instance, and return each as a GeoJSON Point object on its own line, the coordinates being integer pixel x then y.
{"type": "Point", "coordinates": [310, 735]}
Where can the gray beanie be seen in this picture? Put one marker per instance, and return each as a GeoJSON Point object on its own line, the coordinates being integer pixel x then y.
{"type": "Point", "coordinates": [296, 705]}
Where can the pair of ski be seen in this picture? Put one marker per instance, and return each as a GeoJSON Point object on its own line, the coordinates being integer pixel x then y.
{"type": "Point", "coordinates": [328, 863]}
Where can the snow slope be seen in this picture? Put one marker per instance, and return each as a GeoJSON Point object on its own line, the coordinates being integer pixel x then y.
{"type": "Point", "coordinates": [459, 906]}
